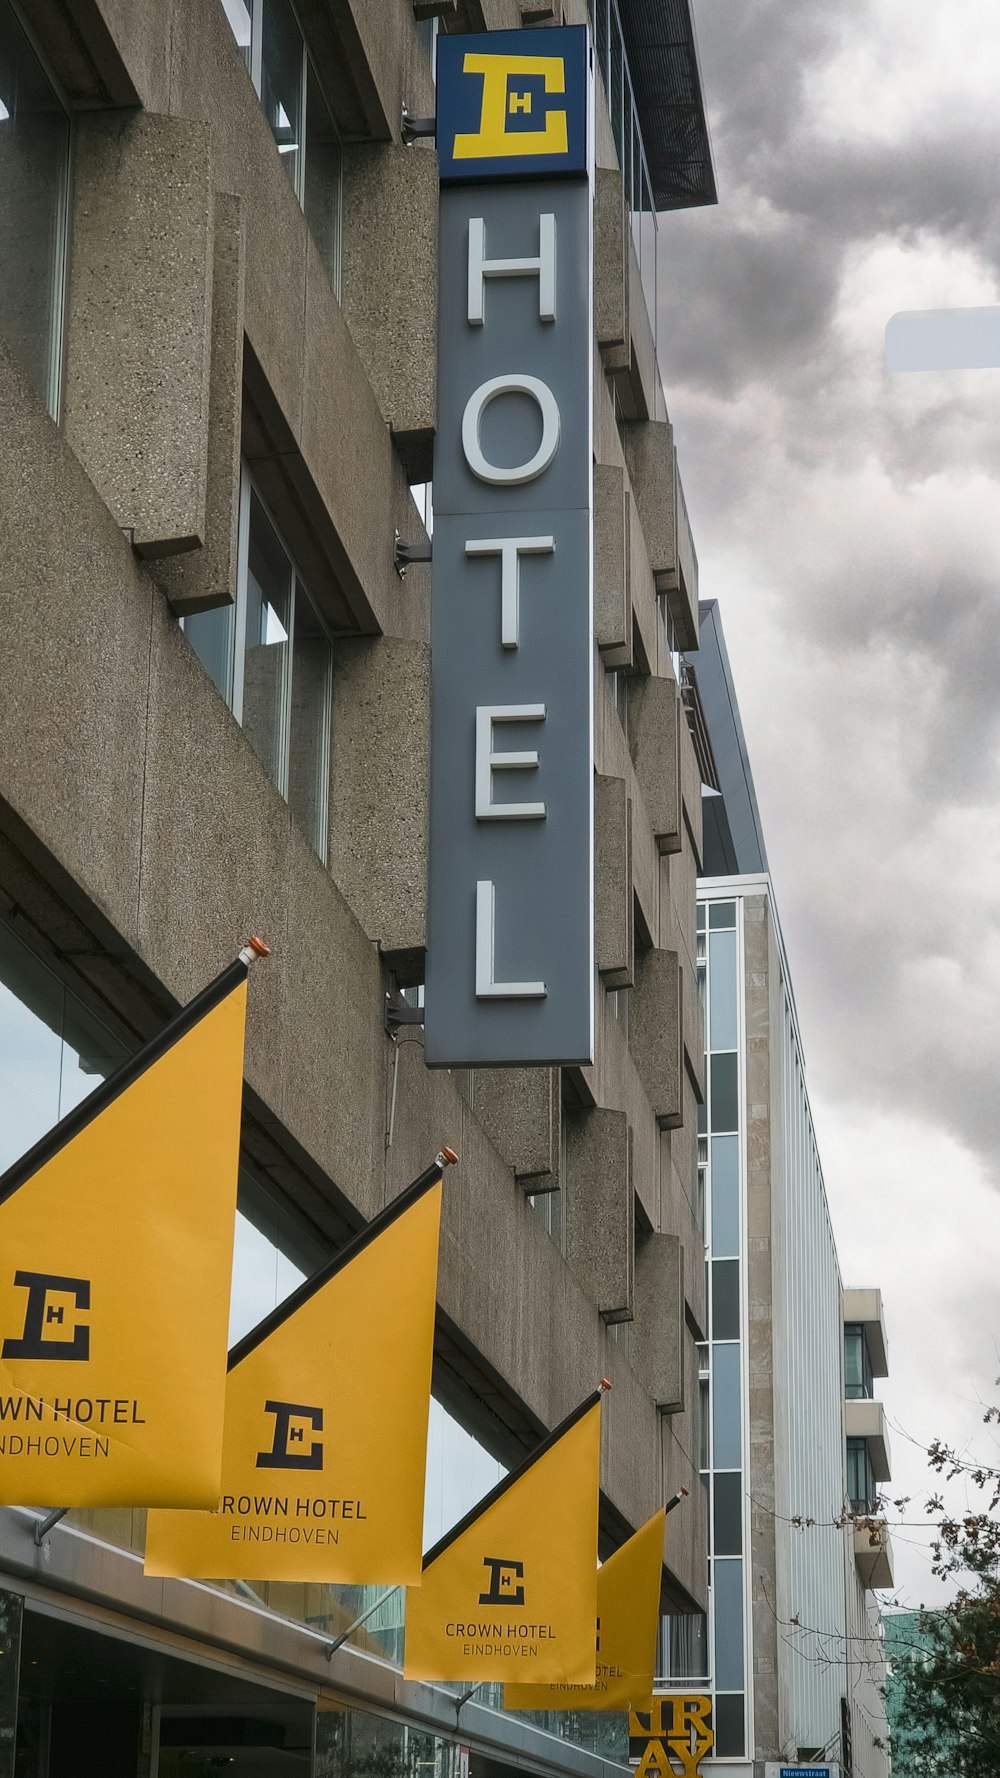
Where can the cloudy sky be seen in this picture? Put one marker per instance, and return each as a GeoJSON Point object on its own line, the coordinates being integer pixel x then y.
{"type": "Point", "coordinates": [849, 524]}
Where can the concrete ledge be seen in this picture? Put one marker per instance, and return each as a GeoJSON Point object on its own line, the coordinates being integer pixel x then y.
{"type": "Point", "coordinates": [207, 578]}
{"type": "Point", "coordinates": [389, 292]}
{"type": "Point", "coordinates": [519, 1108]}
{"type": "Point", "coordinates": [610, 292]}
{"type": "Point", "coordinates": [654, 741]}
{"type": "Point", "coordinates": [600, 1209]}
{"type": "Point", "coordinates": [614, 901]}
{"type": "Point", "coordinates": [379, 786]}
{"type": "Point", "coordinates": [649, 458]}
{"type": "Point", "coordinates": [139, 322]}
{"type": "Point", "coordinates": [655, 1033]}
{"type": "Point", "coordinates": [612, 605]}
{"type": "Point", "coordinates": [658, 1333]}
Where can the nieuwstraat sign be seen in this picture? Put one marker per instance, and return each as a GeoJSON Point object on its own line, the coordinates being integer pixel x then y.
{"type": "Point", "coordinates": [510, 941]}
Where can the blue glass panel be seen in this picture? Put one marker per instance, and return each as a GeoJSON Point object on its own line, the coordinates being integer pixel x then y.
{"type": "Point", "coordinates": [730, 1734]}
{"type": "Point", "coordinates": [727, 1579]}
{"type": "Point", "coordinates": [727, 1451]}
{"type": "Point", "coordinates": [721, 913]}
{"type": "Point", "coordinates": [724, 1102]}
{"type": "Point", "coordinates": [725, 1197]}
{"type": "Point", "coordinates": [722, 990]}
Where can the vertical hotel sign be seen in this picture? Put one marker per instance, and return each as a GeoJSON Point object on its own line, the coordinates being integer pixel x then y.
{"type": "Point", "coordinates": [510, 925]}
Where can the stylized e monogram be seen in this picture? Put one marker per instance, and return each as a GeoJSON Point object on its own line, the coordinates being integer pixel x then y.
{"type": "Point", "coordinates": [286, 1434]}
{"type": "Point", "coordinates": [41, 1313]}
{"type": "Point", "coordinates": [507, 95]}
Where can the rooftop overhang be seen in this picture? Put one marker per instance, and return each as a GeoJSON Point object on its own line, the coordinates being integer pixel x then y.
{"type": "Point", "coordinates": [865, 1306]}
{"type": "Point", "coordinates": [866, 1419]}
{"type": "Point", "coordinates": [873, 1554]}
{"type": "Point", "coordinates": [666, 82]}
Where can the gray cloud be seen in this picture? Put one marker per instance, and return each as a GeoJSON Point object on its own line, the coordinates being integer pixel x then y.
{"type": "Point", "coordinates": [844, 518]}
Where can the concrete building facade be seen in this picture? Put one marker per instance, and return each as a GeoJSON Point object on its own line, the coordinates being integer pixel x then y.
{"type": "Point", "coordinates": [794, 1449]}
{"type": "Point", "coordinates": [217, 384]}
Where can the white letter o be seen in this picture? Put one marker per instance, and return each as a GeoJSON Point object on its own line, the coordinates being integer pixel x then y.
{"type": "Point", "coordinates": [472, 420]}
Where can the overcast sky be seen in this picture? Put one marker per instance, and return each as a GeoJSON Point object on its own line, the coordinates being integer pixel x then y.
{"type": "Point", "coordinates": [849, 524]}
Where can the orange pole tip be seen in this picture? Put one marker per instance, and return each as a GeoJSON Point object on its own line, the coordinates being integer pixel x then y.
{"type": "Point", "coordinates": [605, 1383]}
{"type": "Point", "coordinates": [259, 948]}
{"type": "Point", "coordinates": [448, 1157]}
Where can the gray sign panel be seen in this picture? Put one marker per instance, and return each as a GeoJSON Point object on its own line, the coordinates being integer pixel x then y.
{"type": "Point", "coordinates": [510, 966]}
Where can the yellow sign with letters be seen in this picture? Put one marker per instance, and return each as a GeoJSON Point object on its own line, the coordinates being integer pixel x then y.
{"type": "Point", "coordinates": [327, 1403]}
{"type": "Point", "coordinates": [673, 1735]}
{"type": "Point", "coordinates": [510, 1593]}
{"type": "Point", "coordinates": [116, 1251]}
{"type": "Point", "coordinates": [628, 1615]}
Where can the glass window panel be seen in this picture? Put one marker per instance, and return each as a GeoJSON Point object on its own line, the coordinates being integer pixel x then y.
{"type": "Point", "coordinates": [727, 1580]}
{"type": "Point", "coordinates": [726, 1299]}
{"type": "Point", "coordinates": [861, 1485]}
{"type": "Point", "coordinates": [324, 169]}
{"type": "Point", "coordinates": [212, 636]}
{"type": "Point", "coordinates": [703, 1398]}
{"type": "Point", "coordinates": [34, 168]}
{"type": "Point", "coordinates": [53, 1051]}
{"type": "Point", "coordinates": [724, 1099]}
{"type": "Point", "coordinates": [727, 1720]}
{"type": "Point", "coordinates": [684, 1645]}
{"type": "Point", "coordinates": [262, 1277]}
{"type": "Point", "coordinates": [702, 1120]}
{"type": "Point", "coordinates": [722, 991]}
{"type": "Point", "coordinates": [268, 613]}
{"type": "Point", "coordinates": [725, 1195]}
{"type": "Point", "coordinates": [721, 914]}
{"type": "Point", "coordinates": [309, 743]}
{"type": "Point", "coordinates": [853, 1362]}
{"type": "Point", "coordinates": [727, 1443]}
{"type": "Point", "coordinates": [700, 917]}
{"type": "Point", "coordinates": [238, 16]}
{"type": "Point", "coordinates": [459, 1472]}
{"type": "Point", "coordinates": [728, 1515]}
{"type": "Point", "coordinates": [282, 59]}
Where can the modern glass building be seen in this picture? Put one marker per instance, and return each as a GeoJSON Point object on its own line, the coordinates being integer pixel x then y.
{"type": "Point", "coordinates": [796, 1446]}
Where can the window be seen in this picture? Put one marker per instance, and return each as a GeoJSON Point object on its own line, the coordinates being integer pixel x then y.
{"type": "Point", "coordinates": [683, 1646]}
{"type": "Point", "coordinates": [858, 1381]}
{"type": "Point", "coordinates": [34, 177]}
{"type": "Point", "coordinates": [270, 40]}
{"type": "Point", "coordinates": [616, 682]}
{"type": "Point", "coordinates": [618, 1006]}
{"type": "Point", "coordinates": [272, 659]}
{"type": "Point", "coordinates": [861, 1486]}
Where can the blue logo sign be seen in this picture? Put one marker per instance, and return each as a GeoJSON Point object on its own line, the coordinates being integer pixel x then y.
{"type": "Point", "coordinates": [512, 104]}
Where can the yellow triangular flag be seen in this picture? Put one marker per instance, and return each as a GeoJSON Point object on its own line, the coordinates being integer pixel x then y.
{"type": "Point", "coordinates": [511, 1591]}
{"type": "Point", "coordinates": [327, 1405]}
{"type": "Point", "coordinates": [116, 1254]}
{"type": "Point", "coordinates": [628, 1617]}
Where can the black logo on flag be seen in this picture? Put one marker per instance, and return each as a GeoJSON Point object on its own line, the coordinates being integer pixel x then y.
{"type": "Point", "coordinates": [291, 1423]}
{"type": "Point", "coordinates": [505, 1582]}
{"type": "Point", "coordinates": [44, 1312]}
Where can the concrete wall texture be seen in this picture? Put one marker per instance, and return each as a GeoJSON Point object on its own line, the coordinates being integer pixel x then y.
{"type": "Point", "coordinates": [142, 840]}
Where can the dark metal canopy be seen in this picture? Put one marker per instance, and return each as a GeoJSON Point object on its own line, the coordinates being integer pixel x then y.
{"type": "Point", "coordinates": [666, 81]}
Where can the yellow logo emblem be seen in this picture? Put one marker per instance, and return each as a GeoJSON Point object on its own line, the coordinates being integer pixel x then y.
{"type": "Point", "coordinates": [506, 96]}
